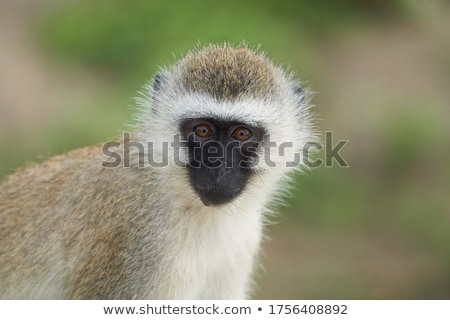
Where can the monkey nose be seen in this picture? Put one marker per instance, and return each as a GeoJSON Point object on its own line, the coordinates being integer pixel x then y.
{"type": "Point", "coordinates": [217, 196]}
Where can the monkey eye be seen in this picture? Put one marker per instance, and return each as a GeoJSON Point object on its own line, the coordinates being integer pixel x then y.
{"type": "Point", "coordinates": [203, 130]}
{"type": "Point", "coordinates": [241, 134]}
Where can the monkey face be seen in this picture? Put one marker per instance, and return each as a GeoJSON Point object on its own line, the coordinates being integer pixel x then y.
{"type": "Point", "coordinates": [221, 157]}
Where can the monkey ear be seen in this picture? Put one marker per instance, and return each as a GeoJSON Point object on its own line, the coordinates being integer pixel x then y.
{"type": "Point", "coordinates": [299, 93]}
{"type": "Point", "coordinates": [157, 82]}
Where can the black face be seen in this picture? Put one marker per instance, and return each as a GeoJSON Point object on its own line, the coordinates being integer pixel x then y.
{"type": "Point", "coordinates": [221, 155]}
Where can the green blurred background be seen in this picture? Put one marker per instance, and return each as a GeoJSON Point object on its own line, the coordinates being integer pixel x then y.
{"type": "Point", "coordinates": [379, 229]}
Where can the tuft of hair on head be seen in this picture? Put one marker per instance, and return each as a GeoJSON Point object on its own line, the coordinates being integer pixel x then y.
{"type": "Point", "coordinates": [228, 72]}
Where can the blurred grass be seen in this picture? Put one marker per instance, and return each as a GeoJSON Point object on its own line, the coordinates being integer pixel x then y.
{"type": "Point", "coordinates": [131, 39]}
{"type": "Point", "coordinates": [344, 219]}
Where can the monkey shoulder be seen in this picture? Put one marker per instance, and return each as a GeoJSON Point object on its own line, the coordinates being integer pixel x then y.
{"type": "Point", "coordinates": [75, 179]}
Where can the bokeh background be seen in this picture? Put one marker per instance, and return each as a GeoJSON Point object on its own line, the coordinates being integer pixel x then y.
{"type": "Point", "coordinates": [379, 229]}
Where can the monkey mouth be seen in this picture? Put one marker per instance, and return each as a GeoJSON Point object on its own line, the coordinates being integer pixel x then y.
{"type": "Point", "coordinates": [214, 196]}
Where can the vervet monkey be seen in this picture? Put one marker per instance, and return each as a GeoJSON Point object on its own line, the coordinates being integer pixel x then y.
{"type": "Point", "coordinates": [82, 225]}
